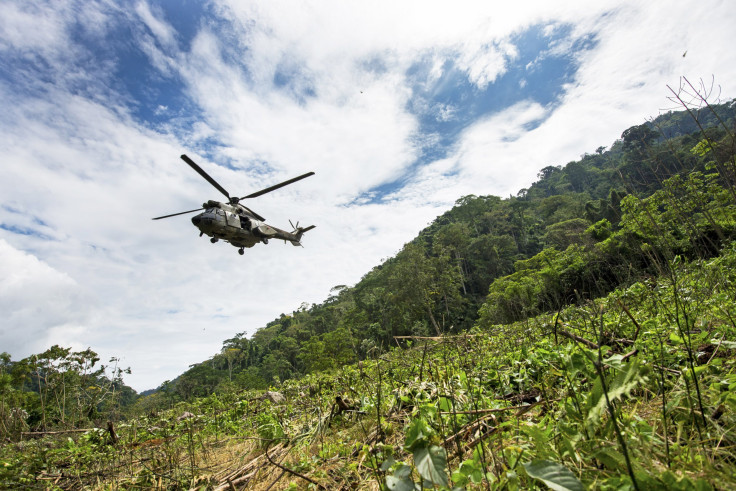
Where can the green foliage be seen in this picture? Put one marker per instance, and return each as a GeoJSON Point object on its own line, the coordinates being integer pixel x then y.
{"type": "Point", "coordinates": [431, 463]}
{"type": "Point", "coordinates": [269, 428]}
{"type": "Point", "coordinates": [507, 407]}
{"type": "Point", "coordinates": [59, 388]}
{"type": "Point", "coordinates": [600, 230]}
{"type": "Point", "coordinates": [556, 476]}
{"type": "Point", "coordinates": [581, 337]}
{"type": "Point", "coordinates": [628, 378]}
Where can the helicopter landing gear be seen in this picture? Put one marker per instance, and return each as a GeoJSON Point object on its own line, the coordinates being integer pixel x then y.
{"type": "Point", "coordinates": [241, 251]}
{"type": "Point", "coordinates": [265, 241]}
{"type": "Point", "coordinates": [214, 239]}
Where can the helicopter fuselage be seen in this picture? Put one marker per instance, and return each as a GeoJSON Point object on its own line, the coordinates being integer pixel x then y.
{"type": "Point", "coordinates": [233, 224]}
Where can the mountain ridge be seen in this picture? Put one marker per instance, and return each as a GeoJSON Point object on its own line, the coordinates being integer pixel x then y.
{"type": "Point", "coordinates": [452, 262]}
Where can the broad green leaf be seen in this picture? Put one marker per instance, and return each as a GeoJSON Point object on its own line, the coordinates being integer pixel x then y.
{"type": "Point", "coordinates": [401, 480]}
{"type": "Point", "coordinates": [555, 475]}
{"type": "Point", "coordinates": [577, 363]}
{"type": "Point", "coordinates": [388, 463]}
{"type": "Point", "coordinates": [459, 479]}
{"type": "Point", "coordinates": [626, 380]}
{"type": "Point", "coordinates": [395, 484]}
{"type": "Point", "coordinates": [403, 471]}
{"type": "Point", "coordinates": [431, 463]}
{"type": "Point", "coordinates": [468, 471]}
{"type": "Point", "coordinates": [615, 360]}
{"type": "Point", "coordinates": [612, 459]}
{"type": "Point", "coordinates": [675, 338]}
{"type": "Point", "coordinates": [417, 433]}
{"type": "Point", "coordinates": [445, 404]}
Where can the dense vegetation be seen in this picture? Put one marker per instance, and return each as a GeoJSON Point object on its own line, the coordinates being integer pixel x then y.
{"type": "Point", "coordinates": [576, 233]}
{"type": "Point", "coordinates": [579, 334]}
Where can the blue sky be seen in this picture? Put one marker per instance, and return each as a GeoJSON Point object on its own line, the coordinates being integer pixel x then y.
{"type": "Point", "coordinates": [399, 108]}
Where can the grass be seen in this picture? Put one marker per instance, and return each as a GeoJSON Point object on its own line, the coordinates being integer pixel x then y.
{"type": "Point", "coordinates": [502, 408]}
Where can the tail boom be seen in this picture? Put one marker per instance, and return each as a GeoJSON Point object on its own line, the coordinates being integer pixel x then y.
{"type": "Point", "coordinates": [298, 234]}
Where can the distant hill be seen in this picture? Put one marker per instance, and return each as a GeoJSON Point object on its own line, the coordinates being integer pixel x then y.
{"type": "Point", "coordinates": [439, 282]}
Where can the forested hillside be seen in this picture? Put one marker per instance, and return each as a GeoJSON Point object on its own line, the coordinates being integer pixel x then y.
{"type": "Point", "coordinates": [574, 234]}
{"type": "Point", "coordinates": [578, 335]}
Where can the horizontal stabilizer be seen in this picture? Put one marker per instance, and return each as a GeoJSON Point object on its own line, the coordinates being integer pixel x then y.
{"type": "Point", "coordinates": [299, 232]}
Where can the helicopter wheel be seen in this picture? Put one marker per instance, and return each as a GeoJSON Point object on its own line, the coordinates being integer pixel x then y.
{"type": "Point", "coordinates": [265, 241]}
{"type": "Point", "coordinates": [213, 239]}
{"type": "Point", "coordinates": [241, 251]}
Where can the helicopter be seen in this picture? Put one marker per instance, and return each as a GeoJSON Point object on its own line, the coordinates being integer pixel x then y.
{"type": "Point", "coordinates": [236, 223]}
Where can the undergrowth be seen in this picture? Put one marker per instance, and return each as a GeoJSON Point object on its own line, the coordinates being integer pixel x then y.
{"type": "Point", "coordinates": [631, 391]}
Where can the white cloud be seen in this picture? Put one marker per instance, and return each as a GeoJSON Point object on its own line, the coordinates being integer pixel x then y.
{"type": "Point", "coordinates": [162, 31]}
{"type": "Point", "coordinates": [29, 28]}
{"type": "Point", "coordinates": [485, 65]}
{"type": "Point", "coordinates": [36, 300]}
{"type": "Point", "coordinates": [353, 144]}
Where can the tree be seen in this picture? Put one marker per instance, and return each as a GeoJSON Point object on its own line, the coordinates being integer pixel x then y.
{"type": "Point", "coordinates": [638, 138]}
{"type": "Point", "coordinates": [312, 356]}
{"type": "Point", "coordinates": [453, 240]}
{"type": "Point", "coordinates": [560, 235]}
{"type": "Point", "coordinates": [231, 355]}
{"type": "Point", "coordinates": [577, 175]}
{"type": "Point", "coordinates": [548, 171]}
{"type": "Point", "coordinates": [413, 284]}
{"type": "Point", "coordinates": [338, 347]}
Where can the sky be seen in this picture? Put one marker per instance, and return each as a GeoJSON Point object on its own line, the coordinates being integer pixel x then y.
{"type": "Point", "coordinates": [400, 108]}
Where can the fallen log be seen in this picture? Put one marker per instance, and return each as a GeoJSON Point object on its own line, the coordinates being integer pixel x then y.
{"type": "Point", "coordinates": [438, 338]}
{"type": "Point", "coordinates": [55, 432]}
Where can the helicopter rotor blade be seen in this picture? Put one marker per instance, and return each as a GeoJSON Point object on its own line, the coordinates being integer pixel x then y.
{"type": "Point", "coordinates": [206, 176]}
{"type": "Point", "coordinates": [253, 213]}
{"type": "Point", "coordinates": [277, 186]}
{"type": "Point", "coordinates": [176, 214]}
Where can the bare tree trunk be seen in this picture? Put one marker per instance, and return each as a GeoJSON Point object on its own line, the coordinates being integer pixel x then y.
{"type": "Point", "coordinates": [434, 322]}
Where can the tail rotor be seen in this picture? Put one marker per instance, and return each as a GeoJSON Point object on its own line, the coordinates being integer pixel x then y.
{"type": "Point", "coordinates": [299, 231]}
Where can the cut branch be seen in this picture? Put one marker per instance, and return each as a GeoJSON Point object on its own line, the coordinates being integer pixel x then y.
{"type": "Point", "coordinates": [293, 472]}
{"type": "Point", "coordinates": [579, 339]}
{"type": "Point", "coordinates": [57, 432]}
{"type": "Point", "coordinates": [437, 338]}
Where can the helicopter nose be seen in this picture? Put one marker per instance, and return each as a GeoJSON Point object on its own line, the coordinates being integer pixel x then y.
{"type": "Point", "coordinates": [196, 220]}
